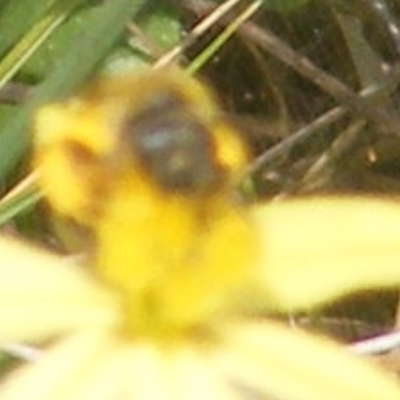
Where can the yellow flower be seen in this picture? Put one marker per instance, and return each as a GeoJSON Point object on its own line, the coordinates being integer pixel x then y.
{"type": "Point", "coordinates": [43, 296]}
{"type": "Point", "coordinates": [167, 304]}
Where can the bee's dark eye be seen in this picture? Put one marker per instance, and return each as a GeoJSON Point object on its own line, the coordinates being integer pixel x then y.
{"type": "Point", "coordinates": [175, 149]}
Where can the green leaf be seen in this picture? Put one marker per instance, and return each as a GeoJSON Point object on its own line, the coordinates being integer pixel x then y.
{"type": "Point", "coordinates": [92, 45]}
{"type": "Point", "coordinates": [52, 52]}
{"type": "Point", "coordinates": [33, 38]}
{"type": "Point", "coordinates": [20, 200]}
{"type": "Point", "coordinates": [17, 17]}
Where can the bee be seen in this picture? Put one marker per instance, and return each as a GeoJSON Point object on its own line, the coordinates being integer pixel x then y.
{"type": "Point", "coordinates": [150, 165]}
{"type": "Point", "coordinates": [163, 125]}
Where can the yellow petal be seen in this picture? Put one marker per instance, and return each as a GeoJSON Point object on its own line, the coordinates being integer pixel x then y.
{"type": "Point", "coordinates": [99, 379]}
{"type": "Point", "coordinates": [60, 370]}
{"type": "Point", "coordinates": [271, 360]}
{"type": "Point", "coordinates": [145, 370]}
{"type": "Point", "coordinates": [192, 377]}
{"type": "Point", "coordinates": [319, 249]}
{"type": "Point", "coordinates": [145, 377]}
{"type": "Point", "coordinates": [43, 295]}
{"type": "Point", "coordinates": [180, 372]}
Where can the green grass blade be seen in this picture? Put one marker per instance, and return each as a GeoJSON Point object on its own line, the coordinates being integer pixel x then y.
{"type": "Point", "coordinates": [93, 45]}
{"type": "Point", "coordinates": [10, 64]}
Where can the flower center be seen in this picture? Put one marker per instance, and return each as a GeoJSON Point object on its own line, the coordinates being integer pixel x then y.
{"type": "Point", "coordinates": [177, 262]}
